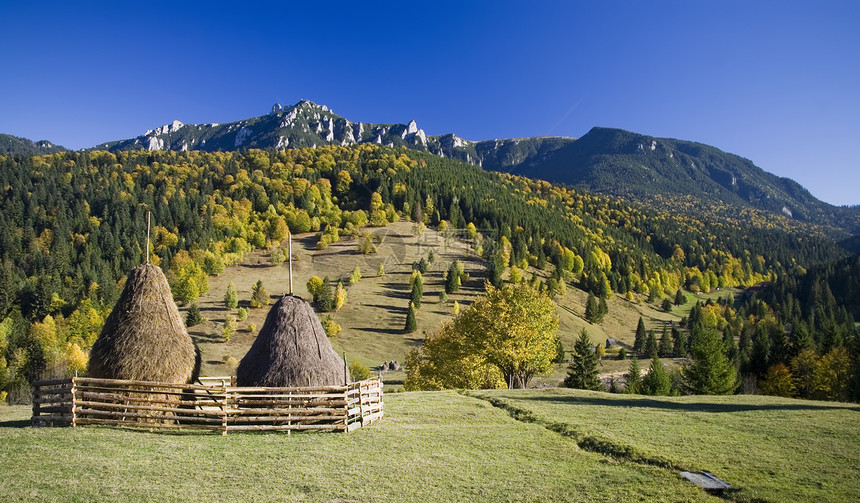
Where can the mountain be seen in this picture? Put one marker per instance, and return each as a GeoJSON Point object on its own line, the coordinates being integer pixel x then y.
{"type": "Point", "coordinates": [14, 145]}
{"type": "Point", "coordinates": [638, 167]}
{"type": "Point", "coordinates": [661, 172]}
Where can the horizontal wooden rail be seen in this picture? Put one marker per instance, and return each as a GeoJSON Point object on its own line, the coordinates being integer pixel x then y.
{"type": "Point", "coordinates": [214, 405]}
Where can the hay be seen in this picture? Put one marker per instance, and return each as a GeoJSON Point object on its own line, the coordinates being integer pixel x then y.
{"type": "Point", "coordinates": [291, 350]}
{"type": "Point", "coordinates": [144, 337]}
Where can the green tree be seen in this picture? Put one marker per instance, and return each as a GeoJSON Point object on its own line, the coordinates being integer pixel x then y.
{"type": "Point", "coordinates": [650, 347]}
{"type": "Point", "coordinates": [411, 322]}
{"type": "Point", "coordinates": [665, 349]}
{"type": "Point", "coordinates": [639, 341]}
{"type": "Point", "coordinates": [710, 372]}
{"type": "Point", "coordinates": [591, 314]}
{"type": "Point", "coordinates": [633, 377]}
{"type": "Point", "coordinates": [354, 276]}
{"type": "Point", "coordinates": [193, 317]}
{"type": "Point", "coordinates": [259, 295]}
{"type": "Point", "coordinates": [231, 298]}
{"type": "Point", "coordinates": [582, 373]}
{"type": "Point", "coordinates": [657, 380]}
{"type": "Point", "coordinates": [560, 353]}
{"type": "Point", "coordinates": [325, 300]}
{"type": "Point", "coordinates": [315, 287]}
{"type": "Point", "coordinates": [358, 372]}
{"type": "Point", "coordinates": [680, 299]}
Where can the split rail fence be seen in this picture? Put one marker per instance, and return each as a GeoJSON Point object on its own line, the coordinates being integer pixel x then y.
{"type": "Point", "coordinates": [213, 406]}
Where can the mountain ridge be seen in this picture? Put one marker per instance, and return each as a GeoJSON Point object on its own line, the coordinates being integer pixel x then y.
{"type": "Point", "coordinates": [605, 160]}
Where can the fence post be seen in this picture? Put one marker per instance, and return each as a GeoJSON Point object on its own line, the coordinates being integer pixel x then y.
{"type": "Point", "coordinates": [36, 405]}
{"type": "Point", "coordinates": [74, 401]}
{"type": "Point", "coordinates": [224, 410]}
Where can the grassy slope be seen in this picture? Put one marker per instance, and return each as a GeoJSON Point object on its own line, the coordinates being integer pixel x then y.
{"type": "Point", "coordinates": [374, 315]}
{"type": "Point", "coordinates": [438, 446]}
{"type": "Point", "coordinates": [770, 448]}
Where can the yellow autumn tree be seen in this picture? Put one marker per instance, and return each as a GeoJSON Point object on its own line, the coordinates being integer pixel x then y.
{"type": "Point", "coordinates": [511, 329]}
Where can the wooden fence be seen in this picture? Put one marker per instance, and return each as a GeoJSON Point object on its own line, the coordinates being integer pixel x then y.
{"type": "Point", "coordinates": [216, 405]}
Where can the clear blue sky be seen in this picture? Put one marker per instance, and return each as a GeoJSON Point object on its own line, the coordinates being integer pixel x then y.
{"type": "Point", "coordinates": [776, 82]}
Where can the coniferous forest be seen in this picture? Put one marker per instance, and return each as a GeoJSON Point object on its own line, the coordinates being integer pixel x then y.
{"type": "Point", "coordinates": [74, 223]}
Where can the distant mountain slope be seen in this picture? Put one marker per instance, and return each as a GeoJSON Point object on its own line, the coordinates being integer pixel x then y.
{"type": "Point", "coordinates": [608, 161]}
{"type": "Point", "coordinates": [14, 145]}
{"type": "Point", "coordinates": [638, 167]}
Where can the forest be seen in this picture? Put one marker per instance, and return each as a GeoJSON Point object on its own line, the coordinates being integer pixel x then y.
{"type": "Point", "coordinates": [74, 223]}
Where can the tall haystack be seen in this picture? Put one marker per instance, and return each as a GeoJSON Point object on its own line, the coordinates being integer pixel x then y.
{"type": "Point", "coordinates": [144, 337]}
{"type": "Point", "coordinates": [291, 350]}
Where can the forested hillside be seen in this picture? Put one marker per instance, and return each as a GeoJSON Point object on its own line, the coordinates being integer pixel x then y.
{"type": "Point", "coordinates": [75, 223]}
{"type": "Point", "coordinates": [12, 145]}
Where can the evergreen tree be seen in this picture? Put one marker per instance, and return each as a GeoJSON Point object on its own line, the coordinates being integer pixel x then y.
{"type": "Point", "coordinates": [231, 298]}
{"type": "Point", "coordinates": [259, 295]}
{"type": "Point", "coordinates": [602, 309]}
{"type": "Point", "coordinates": [679, 298]}
{"type": "Point", "coordinates": [591, 309]}
{"type": "Point", "coordinates": [639, 341]}
{"type": "Point", "coordinates": [634, 377]}
{"type": "Point", "coordinates": [582, 373]}
{"type": "Point", "coordinates": [559, 348]}
{"type": "Point", "coordinates": [650, 344]}
{"type": "Point", "coordinates": [710, 372]}
{"type": "Point", "coordinates": [193, 317]}
{"type": "Point", "coordinates": [679, 347]}
{"type": "Point", "coordinates": [657, 380]}
{"type": "Point", "coordinates": [411, 322]}
{"type": "Point", "coordinates": [760, 356]}
{"type": "Point", "coordinates": [325, 300]}
{"type": "Point", "coordinates": [665, 344]}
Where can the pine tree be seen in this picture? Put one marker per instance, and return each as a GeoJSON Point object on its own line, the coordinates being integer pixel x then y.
{"type": "Point", "coordinates": [559, 348]}
{"type": "Point", "coordinates": [193, 317]}
{"type": "Point", "coordinates": [259, 295]}
{"type": "Point", "coordinates": [602, 310]}
{"type": "Point", "coordinates": [591, 308]}
{"type": "Point", "coordinates": [582, 373]}
{"type": "Point", "coordinates": [665, 350]}
{"type": "Point", "coordinates": [325, 300]}
{"type": "Point", "coordinates": [411, 322]}
{"type": "Point", "coordinates": [231, 298]}
{"type": "Point", "coordinates": [657, 380]}
{"type": "Point", "coordinates": [634, 377]}
{"type": "Point", "coordinates": [650, 344]}
{"type": "Point", "coordinates": [680, 300]}
{"type": "Point", "coordinates": [639, 341]}
{"type": "Point", "coordinates": [679, 347]}
{"type": "Point", "coordinates": [710, 372]}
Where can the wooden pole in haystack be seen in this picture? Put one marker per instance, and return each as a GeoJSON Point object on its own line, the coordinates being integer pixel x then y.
{"type": "Point", "coordinates": [148, 215]}
{"type": "Point", "coordinates": [290, 252]}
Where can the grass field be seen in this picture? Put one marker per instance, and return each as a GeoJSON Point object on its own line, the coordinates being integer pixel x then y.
{"type": "Point", "coordinates": [446, 446]}
{"type": "Point", "coordinates": [373, 318]}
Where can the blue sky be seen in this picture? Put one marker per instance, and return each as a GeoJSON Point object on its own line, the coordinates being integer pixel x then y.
{"type": "Point", "coordinates": [776, 82]}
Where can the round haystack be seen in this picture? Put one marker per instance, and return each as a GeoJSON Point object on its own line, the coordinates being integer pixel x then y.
{"type": "Point", "coordinates": [291, 350]}
{"type": "Point", "coordinates": [144, 338]}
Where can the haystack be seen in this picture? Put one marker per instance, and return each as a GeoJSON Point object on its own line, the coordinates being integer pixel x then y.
{"type": "Point", "coordinates": [144, 337]}
{"type": "Point", "coordinates": [291, 350]}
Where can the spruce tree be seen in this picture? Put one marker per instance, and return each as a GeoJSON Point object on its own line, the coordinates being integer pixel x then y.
{"type": "Point", "coordinates": [602, 309]}
{"type": "Point", "coordinates": [325, 300]}
{"type": "Point", "coordinates": [710, 372]}
{"type": "Point", "coordinates": [679, 298]}
{"type": "Point", "coordinates": [639, 341]}
{"type": "Point", "coordinates": [665, 350]}
{"type": "Point", "coordinates": [634, 377]}
{"type": "Point", "coordinates": [582, 373]}
{"type": "Point", "coordinates": [559, 351]}
{"type": "Point", "coordinates": [259, 295]}
{"type": "Point", "coordinates": [411, 322]}
{"type": "Point", "coordinates": [591, 309]}
{"type": "Point", "coordinates": [657, 380]}
{"type": "Point", "coordinates": [680, 343]}
{"type": "Point", "coordinates": [193, 317]}
{"type": "Point", "coordinates": [650, 344]}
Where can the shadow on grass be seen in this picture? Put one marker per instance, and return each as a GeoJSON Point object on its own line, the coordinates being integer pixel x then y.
{"type": "Point", "coordinates": [20, 423]}
{"type": "Point", "coordinates": [648, 403]}
{"type": "Point", "coordinates": [392, 309]}
{"type": "Point", "coordinates": [375, 330]}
